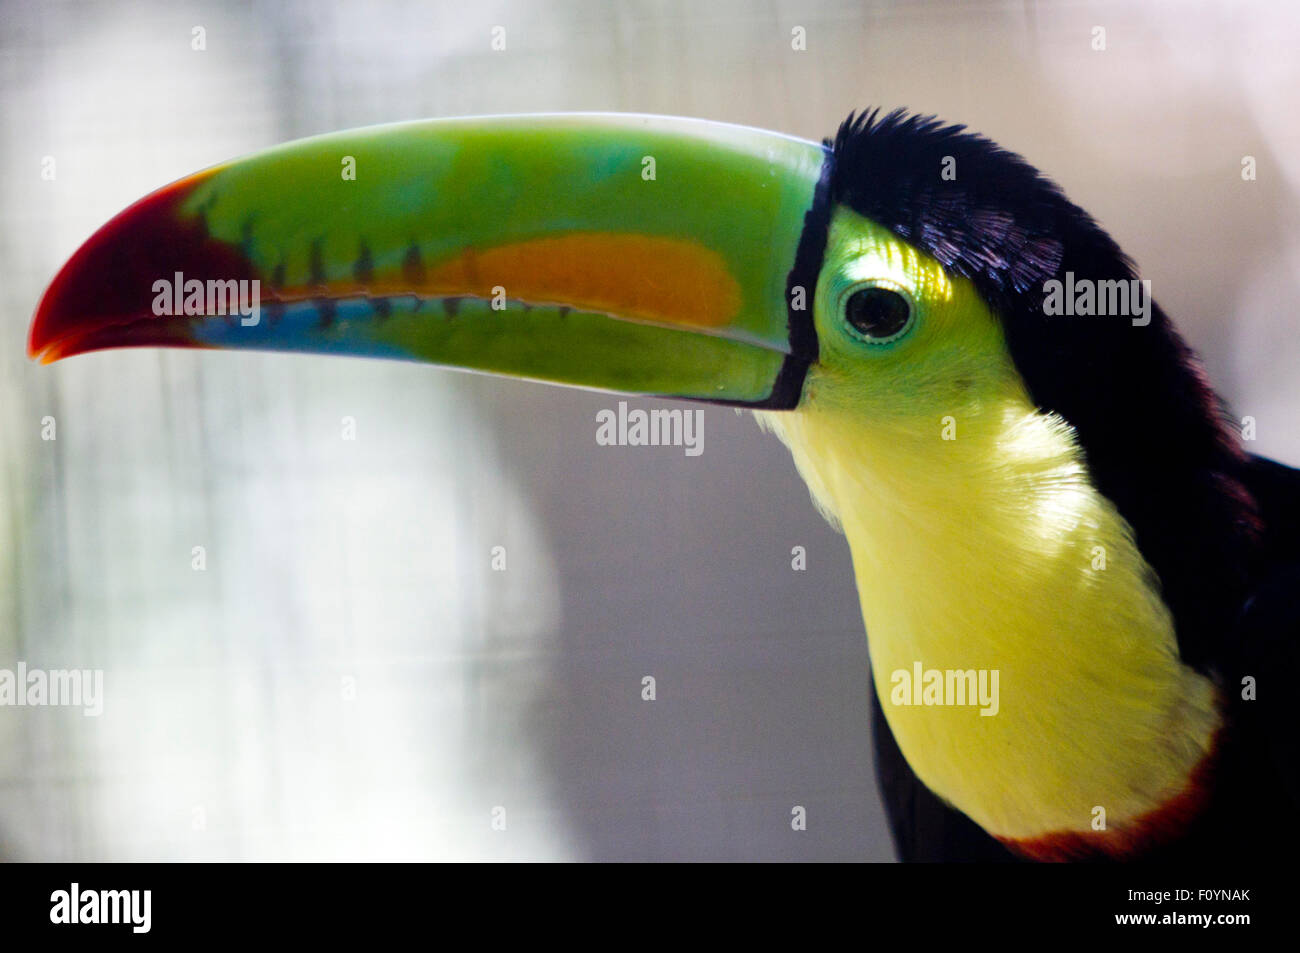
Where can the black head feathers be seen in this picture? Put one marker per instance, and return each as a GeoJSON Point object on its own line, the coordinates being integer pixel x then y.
{"type": "Point", "coordinates": [982, 212]}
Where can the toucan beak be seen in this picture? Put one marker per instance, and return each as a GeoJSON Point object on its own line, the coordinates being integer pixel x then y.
{"type": "Point", "coordinates": [637, 254]}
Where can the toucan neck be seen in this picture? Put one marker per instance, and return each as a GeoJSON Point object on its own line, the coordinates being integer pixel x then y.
{"type": "Point", "coordinates": [991, 553]}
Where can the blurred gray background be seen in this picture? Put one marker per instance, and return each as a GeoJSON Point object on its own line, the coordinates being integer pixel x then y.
{"type": "Point", "coordinates": [349, 678]}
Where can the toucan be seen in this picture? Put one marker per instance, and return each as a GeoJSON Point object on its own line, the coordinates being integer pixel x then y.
{"type": "Point", "coordinates": [1049, 499]}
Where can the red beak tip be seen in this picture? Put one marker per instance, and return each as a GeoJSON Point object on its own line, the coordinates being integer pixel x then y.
{"type": "Point", "coordinates": [99, 297]}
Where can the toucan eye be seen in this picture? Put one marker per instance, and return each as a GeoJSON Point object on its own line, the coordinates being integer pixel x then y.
{"type": "Point", "coordinates": [878, 314]}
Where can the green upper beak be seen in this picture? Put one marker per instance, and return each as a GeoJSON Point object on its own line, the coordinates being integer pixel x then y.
{"type": "Point", "coordinates": [639, 254]}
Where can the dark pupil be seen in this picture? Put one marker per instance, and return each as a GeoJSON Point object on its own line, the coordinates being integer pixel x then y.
{"type": "Point", "coordinates": [877, 312]}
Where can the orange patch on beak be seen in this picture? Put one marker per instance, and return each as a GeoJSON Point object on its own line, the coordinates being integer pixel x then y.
{"type": "Point", "coordinates": [665, 280]}
{"type": "Point", "coordinates": [655, 279]}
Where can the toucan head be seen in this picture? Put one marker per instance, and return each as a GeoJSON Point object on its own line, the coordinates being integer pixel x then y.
{"type": "Point", "coordinates": [893, 275]}
{"type": "Point", "coordinates": [656, 256]}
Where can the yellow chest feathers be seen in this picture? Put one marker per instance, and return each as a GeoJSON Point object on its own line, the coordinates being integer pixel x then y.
{"type": "Point", "coordinates": [988, 565]}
